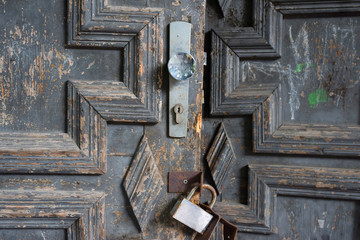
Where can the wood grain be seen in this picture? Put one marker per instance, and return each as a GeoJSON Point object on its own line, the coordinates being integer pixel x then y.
{"type": "Point", "coordinates": [231, 97]}
{"type": "Point", "coordinates": [80, 214]}
{"type": "Point", "coordinates": [220, 158]}
{"type": "Point", "coordinates": [224, 5]}
{"type": "Point", "coordinates": [82, 150]}
{"type": "Point", "coordinates": [143, 183]}
{"type": "Point", "coordinates": [266, 183]}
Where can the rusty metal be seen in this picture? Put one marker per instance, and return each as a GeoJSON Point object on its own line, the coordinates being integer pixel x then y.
{"type": "Point", "coordinates": [183, 182]}
{"type": "Point", "coordinates": [230, 230]}
{"type": "Point", "coordinates": [212, 225]}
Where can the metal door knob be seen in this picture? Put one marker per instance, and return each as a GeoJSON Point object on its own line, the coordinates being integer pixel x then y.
{"type": "Point", "coordinates": [181, 66]}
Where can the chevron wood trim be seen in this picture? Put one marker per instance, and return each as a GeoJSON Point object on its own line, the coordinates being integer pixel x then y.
{"type": "Point", "coordinates": [266, 183]}
{"type": "Point", "coordinates": [220, 158]}
{"type": "Point", "coordinates": [82, 215]}
{"type": "Point", "coordinates": [263, 40]}
{"type": "Point", "coordinates": [137, 31]}
{"type": "Point", "coordinates": [224, 5]}
{"type": "Point", "coordinates": [82, 149]}
{"type": "Point", "coordinates": [143, 183]}
{"type": "Point", "coordinates": [231, 97]}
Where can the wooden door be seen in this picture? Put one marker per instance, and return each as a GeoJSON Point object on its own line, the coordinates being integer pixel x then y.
{"type": "Point", "coordinates": [84, 144]}
{"type": "Point", "coordinates": [281, 128]}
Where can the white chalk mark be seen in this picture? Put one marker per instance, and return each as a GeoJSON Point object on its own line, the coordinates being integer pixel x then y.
{"type": "Point", "coordinates": [321, 223]}
{"type": "Point", "coordinates": [43, 235]}
{"type": "Point", "coordinates": [303, 68]}
{"type": "Point", "coordinates": [301, 49]}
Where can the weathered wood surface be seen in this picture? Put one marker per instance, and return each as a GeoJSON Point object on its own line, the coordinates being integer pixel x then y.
{"type": "Point", "coordinates": [224, 5]}
{"type": "Point", "coordinates": [143, 184]}
{"type": "Point", "coordinates": [304, 193]}
{"type": "Point", "coordinates": [296, 212]}
{"type": "Point", "coordinates": [273, 132]}
{"type": "Point", "coordinates": [220, 158]}
{"type": "Point", "coordinates": [101, 66]}
{"type": "Point", "coordinates": [80, 214]}
{"type": "Point", "coordinates": [267, 183]}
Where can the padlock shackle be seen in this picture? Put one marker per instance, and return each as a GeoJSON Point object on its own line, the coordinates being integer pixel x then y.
{"type": "Point", "coordinates": [208, 187]}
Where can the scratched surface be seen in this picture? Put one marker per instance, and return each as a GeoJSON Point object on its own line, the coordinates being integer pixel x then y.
{"type": "Point", "coordinates": [46, 234]}
{"type": "Point", "coordinates": [35, 64]}
{"type": "Point", "coordinates": [318, 54]}
{"type": "Point", "coordinates": [319, 70]}
{"type": "Point", "coordinates": [238, 14]}
{"type": "Point", "coordinates": [293, 220]}
{"type": "Point", "coordinates": [297, 219]}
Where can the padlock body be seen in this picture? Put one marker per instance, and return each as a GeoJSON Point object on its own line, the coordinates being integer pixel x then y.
{"type": "Point", "coordinates": [191, 215]}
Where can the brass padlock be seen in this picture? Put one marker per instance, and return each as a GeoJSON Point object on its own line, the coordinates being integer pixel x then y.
{"type": "Point", "coordinates": [192, 215]}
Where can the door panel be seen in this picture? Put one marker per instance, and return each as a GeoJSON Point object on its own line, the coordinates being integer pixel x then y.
{"type": "Point", "coordinates": [286, 67]}
{"type": "Point", "coordinates": [100, 67]}
{"type": "Point", "coordinates": [84, 140]}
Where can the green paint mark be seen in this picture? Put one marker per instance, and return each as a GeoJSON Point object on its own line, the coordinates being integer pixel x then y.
{"type": "Point", "coordinates": [300, 67]}
{"type": "Point", "coordinates": [319, 96]}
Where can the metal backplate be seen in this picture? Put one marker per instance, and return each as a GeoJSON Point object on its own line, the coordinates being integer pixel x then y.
{"type": "Point", "coordinates": [180, 37]}
{"type": "Point", "coordinates": [183, 182]}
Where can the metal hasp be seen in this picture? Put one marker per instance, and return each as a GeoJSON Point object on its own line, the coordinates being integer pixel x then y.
{"type": "Point", "coordinates": [181, 66]}
{"type": "Point", "coordinates": [183, 182]}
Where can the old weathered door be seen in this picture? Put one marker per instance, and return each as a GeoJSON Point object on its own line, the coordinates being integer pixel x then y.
{"type": "Point", "coordinates": [290, 169]}
{"type": "Point", "coordinates": [84, 144]}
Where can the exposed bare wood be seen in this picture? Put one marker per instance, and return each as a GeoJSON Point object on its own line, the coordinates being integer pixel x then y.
{"type": "Point", "coordinates": [81, 214]}
{"type": "Point", "coordinates": [91, 104]}
{"type": "Point", "coordinates": [229, 96]}
{"type": "Point", "coordinates": [266, 183]}
{"type": "Point", "coordinates": [220, 158]}
{"type": "Point", "coordinates": [143, 183]}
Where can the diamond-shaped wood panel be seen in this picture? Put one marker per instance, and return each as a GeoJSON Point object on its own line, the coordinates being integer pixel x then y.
{"type": "Point", "coordinates": [143, 183]}
{"type": "Point", "coordinates": [82, 148]}
{"type": "Point", "coordinates": [220, 158]}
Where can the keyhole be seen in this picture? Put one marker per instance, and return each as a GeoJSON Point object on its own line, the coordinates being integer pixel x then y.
{"type": "Point", "coordinates": [178, 109]}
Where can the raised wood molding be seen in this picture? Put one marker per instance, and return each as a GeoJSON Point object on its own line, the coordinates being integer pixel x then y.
{"type": "Point", "coordinates": [138, 32]}
{"type": "Point", "coordinates": [82, 150]}
{"type": "Point", "coordinates": [220, 158]}
{"type": "Point", "coordinates": [82, 215]}
{"type": "Point", "coordinates": [267, 183]}
{"type": "Point", "coordinates": [224, 5]}
{"type": "Point", "coordinates": [143, 183]}
{"type": "Point", "coordinates": [263, 39]}
{"type": "Point", "coordinates": [231, 97]}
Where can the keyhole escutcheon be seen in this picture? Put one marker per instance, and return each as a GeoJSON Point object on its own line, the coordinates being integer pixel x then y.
{"type": "Point", "coordinates": [178, 110]}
